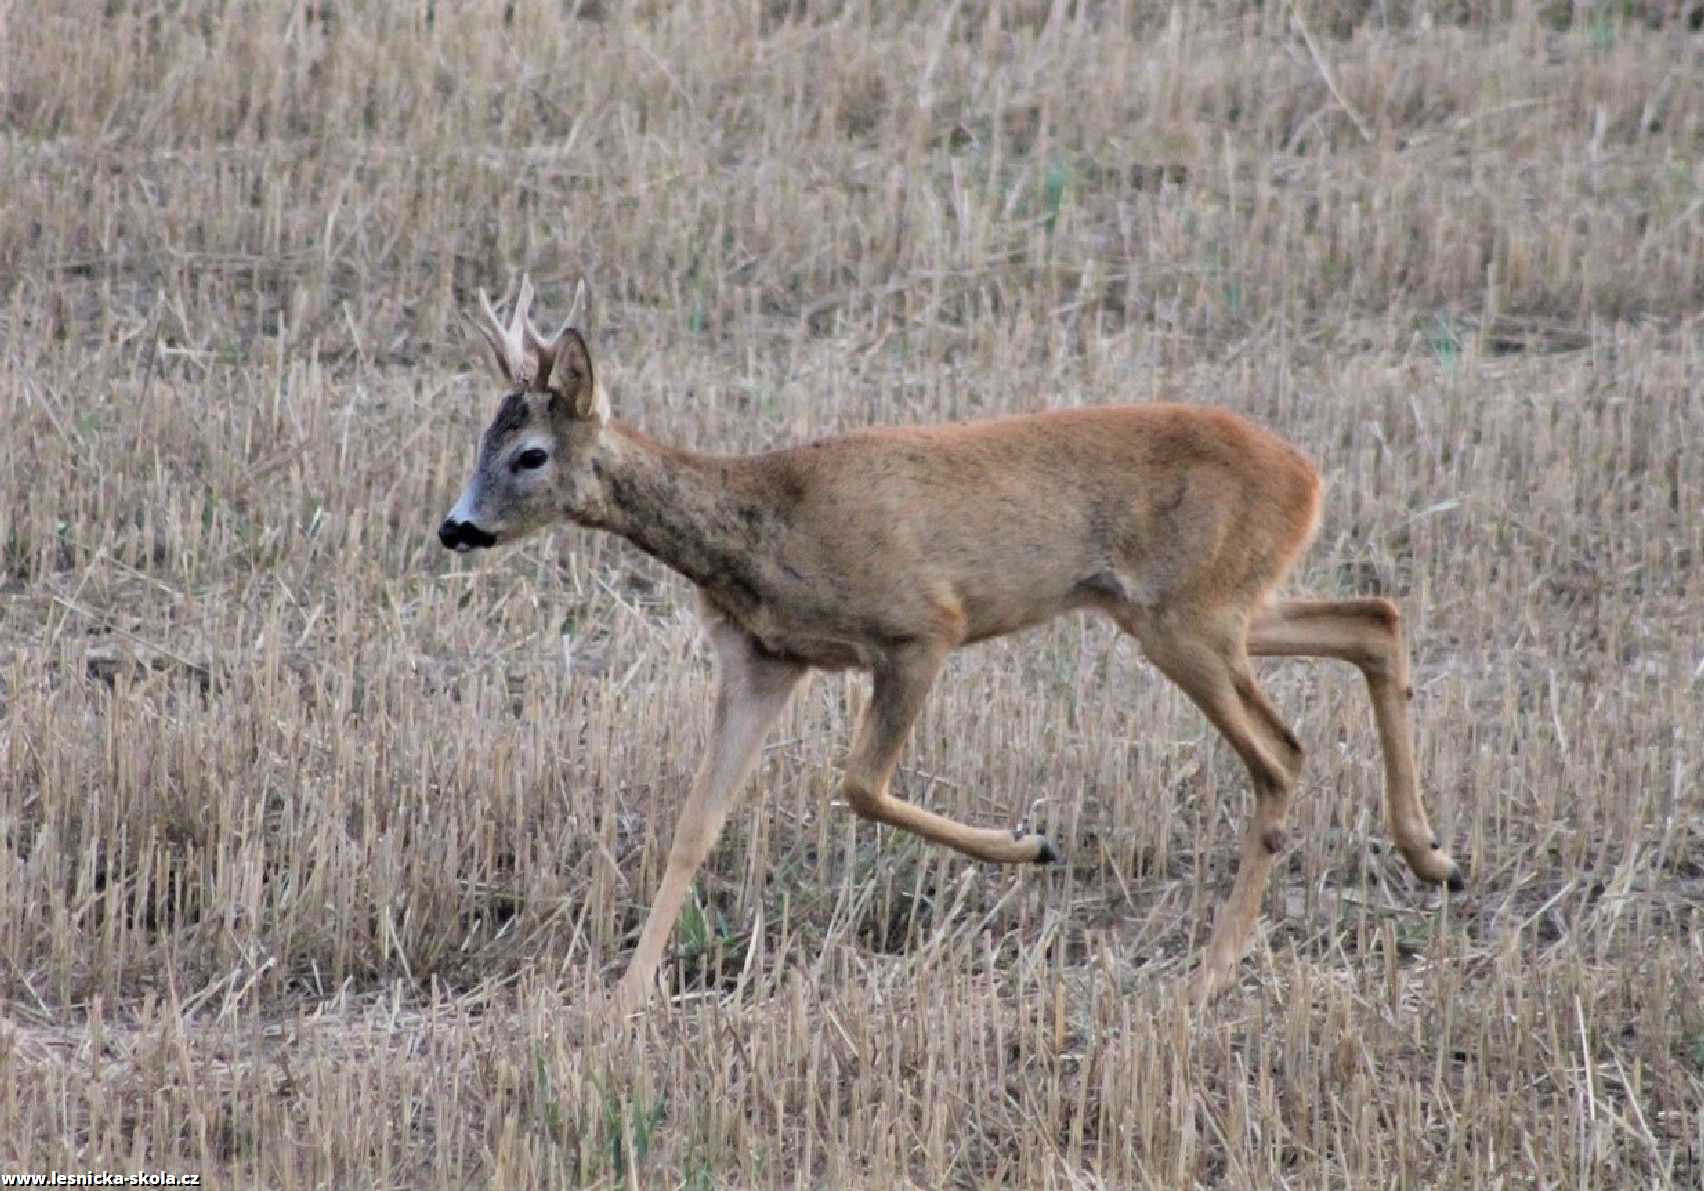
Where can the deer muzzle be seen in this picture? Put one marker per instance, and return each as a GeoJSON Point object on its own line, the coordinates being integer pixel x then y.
{"type": "Point", "coordinates": [462, 536]}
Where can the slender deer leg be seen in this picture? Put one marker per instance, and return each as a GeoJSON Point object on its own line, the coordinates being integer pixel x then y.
{"type": "Point", "coordinates": [1367, 632]}
{"type": "Point", "coordinates": [1214, 673]}
{"type": "Point", "coordinates": [751, 690]}
{"type": "Point", "coordinates": [901, 684]}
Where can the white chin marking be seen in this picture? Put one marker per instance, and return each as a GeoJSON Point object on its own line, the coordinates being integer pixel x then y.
{"type": "Point", "coordinates": [463, 548]}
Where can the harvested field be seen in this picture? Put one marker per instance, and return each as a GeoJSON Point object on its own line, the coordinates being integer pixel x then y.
{"type": "Point", "coordinates": [318, 843]}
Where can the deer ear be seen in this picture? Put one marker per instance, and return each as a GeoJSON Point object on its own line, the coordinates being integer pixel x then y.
{"type": "Point", "coordinates": [574, 379]}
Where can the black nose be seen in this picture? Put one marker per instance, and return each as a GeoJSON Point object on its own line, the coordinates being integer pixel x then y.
{"type": "Point", "coordinates": [463, 535]}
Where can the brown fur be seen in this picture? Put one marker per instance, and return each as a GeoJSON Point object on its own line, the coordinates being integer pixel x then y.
{"type": "Point", "coordinates": [887, 548]}
{"type": "Point", "coordinates": [832, 553]}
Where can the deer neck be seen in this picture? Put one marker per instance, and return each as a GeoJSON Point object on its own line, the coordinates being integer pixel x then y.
{"type": "Point", "coordinates": [701, 515]}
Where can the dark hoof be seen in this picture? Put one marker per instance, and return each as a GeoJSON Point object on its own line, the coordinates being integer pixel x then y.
{"type": "Point", "coordinates": [1046, 854]}
{"type": "Point", "coordinates": [1455, 880]}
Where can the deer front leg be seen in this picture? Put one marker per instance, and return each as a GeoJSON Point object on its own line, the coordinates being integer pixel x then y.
{"type": "Point", "coordinates": [901, 684]}
{"type": "Point", "coordinates": [751, 690]}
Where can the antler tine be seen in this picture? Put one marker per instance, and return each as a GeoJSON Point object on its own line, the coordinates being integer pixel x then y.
{"type": "Point", "coordinates": [509, 341]}
{"type": "Point", "coordinates": [495, 335]}
{"type": "Point", "coordinates": [577, 310]}
{"type": "Point", "coordinates": [490, 313]}
{"type": "Point", "coordinates": [519, 322]}
{"type": "Point", "coordinates": [549, 344]}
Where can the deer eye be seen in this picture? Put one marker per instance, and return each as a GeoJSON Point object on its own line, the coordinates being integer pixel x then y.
{"type": "Point", "coordinates": [530, 458]}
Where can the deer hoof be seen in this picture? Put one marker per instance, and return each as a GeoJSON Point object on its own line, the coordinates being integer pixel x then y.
{"type": "Point", "coordinates": [1045, 852]}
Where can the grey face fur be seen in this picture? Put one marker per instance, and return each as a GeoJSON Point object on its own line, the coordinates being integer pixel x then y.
{"type": "Point", "coordinates": [535, 459]}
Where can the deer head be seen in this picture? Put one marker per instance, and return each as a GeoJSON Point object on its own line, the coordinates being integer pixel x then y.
{"type": "Point", "coordinates": [535, 463]}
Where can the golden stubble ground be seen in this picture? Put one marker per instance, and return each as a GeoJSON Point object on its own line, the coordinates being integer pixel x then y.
{"type": "Point", "coordinates": [316, 843]}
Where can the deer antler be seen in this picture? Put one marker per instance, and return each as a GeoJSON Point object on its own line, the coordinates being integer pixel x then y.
{"type": "Point", "coordinates": [523, 355]}
{"type": "Point", "coordinates": [546, 348]}
{"type": "Point", "coordinates": [510, 343]}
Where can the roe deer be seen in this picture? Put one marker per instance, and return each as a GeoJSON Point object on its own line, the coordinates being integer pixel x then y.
{"type": "Point", "coordinates": [886, 548]}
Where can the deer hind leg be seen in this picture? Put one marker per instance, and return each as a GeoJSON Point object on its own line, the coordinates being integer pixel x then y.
{"type": "Point", "coordinates": [901, 683]}
{"type": "Point", "coordinates": [1210, 666]}
{"type": "Point", "coordinates": [751, 690]}
{"type": "Point", "coordinates": [1367, 632]}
